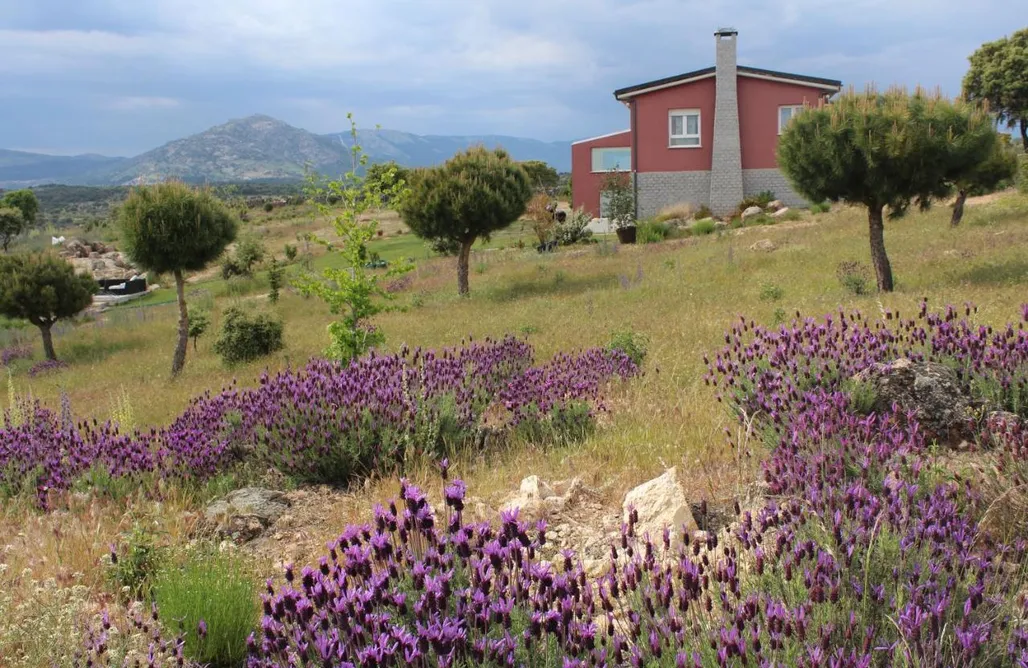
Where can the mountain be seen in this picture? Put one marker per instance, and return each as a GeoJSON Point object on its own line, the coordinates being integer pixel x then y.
{"type": "Point", "coordinates": [18, 168]}
{"type": "Point", "coordinates": [260, 147]}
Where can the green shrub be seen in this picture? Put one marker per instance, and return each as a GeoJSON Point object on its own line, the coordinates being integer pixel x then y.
{"type": "Point", "coordinates": [133, 566]}
{"type": "Point", "coordinates": [862, 396]}
{"type": "Point", "coordinates": [269, 207]}
{"type": "Point", "coordinates": [1022, 175]}
{"type": "Point", "coordinates": [855, 277]}
{"type": "Point", "coordinates": [573, 229]}
{"type": "Point", "coordinates": [290, 251]}
{"type": "Point", "coordinates": [820, 207]}
{"type": "Point", "coordinates": [703, 227]}
{"type": "Point", "coordinates": [651, 232]}
{"type": "Point", "coordinates": [249, 253]}
{"type": "Point", "coordinates": [630, 343]}
{"type": "Point", "coordinates": [565, 425]}
{"type": "Point", "coordinates": [761, 199]}
{"type": "Point", "coordinates": [790, 215]}
{"type": "Point", "coordinates": [770, 292]}
{"type": "Point", "coordinates": [213, 589]}
{"type": "Point", "coordinates": [246, 337]}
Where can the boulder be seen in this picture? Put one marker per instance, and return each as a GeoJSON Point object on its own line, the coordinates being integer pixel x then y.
{"type": "Point", "coordinates": [776, 205]}
{"type": "Point", "coordinates": [245, 513]}
{"type": "Point", "coordinates": [752, 211]}
{"type": "Point", "coordinates": [928, 390]}
{"type": "Point", "coordinates": [780, 212]}
{"type": "Point", "coordinates": [765, 245]}
{"type": "Point", "coordinates": [660, 503]}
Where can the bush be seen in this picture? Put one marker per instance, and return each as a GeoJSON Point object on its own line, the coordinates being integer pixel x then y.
{"type": "Point", "coordinates": [246, 337]}
{"type": "Point", "coordinates": [133, 569]}
{"type": "Point", "coordinates": [274, 280]}
{"type": "Point", "coordinates": [703, 227]}
{"type": "Point", "coordinates": [855, 277]}
{"type": "Point", "coordinates": [652, 231]}
{"type": "Point", "coordinates": [820, 207]}
{"type": "Point", "coordinates": [770, 292]}
{"type": "Point", "coordinates": [704, 212]}
{"type": "Point", "coordinates": [290, 251]}
{"type": "Point", "coordinates": [632, 344]}
{"type": "Point", "coordinates": [212, 599]}
{"type": "Point", "coordinates": [249, 253]}
{"type": "Point", "coordinates": [269, 207]}
{"type": "Point", "coordinates": [1022, 175]}
{"type": "Point", "coordinates": [761, 199]}
{"type": "Point", "coordinates": [573, 229]}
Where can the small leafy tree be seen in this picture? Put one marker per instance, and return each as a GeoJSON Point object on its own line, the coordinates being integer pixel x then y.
{"type": "Point", "coordinates": [540, 214]}
{"type": "Point", "coordinates": [43, 289]}
{"type": "Point", "coordinates": [883, 150]}
{"type": "Point", "coordinates": [620, 210]}
{"type": "Point", "coordinates": [172, 228]}
{"type": "Point", "coordinates": [352, 290]}
{"type": "Point", "coordinates": [474, 194]}
{"type": "Point", "coordinates": [1000, 166]}
{"type": "Point", "coordinates": [274, 279]}
{"type": "Point", "coordinates": [12, 223]}
{"type": "Point", "coordinates": [198, 324]}
{"type": "Point", "coordinates": [541, 176]}
{"type": "Point", "coordinates": [25, 201]}
{"type": "Point", "coordinates": [385, 176]}
{"type": "Point", "coordinates": [249, 253]}
{"type": "Point", "coordinates": [999, 75]}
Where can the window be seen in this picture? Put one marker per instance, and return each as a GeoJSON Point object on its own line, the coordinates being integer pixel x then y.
{"type": "Point", "coordinates": [606, 159]}
{"type": "Point", "coordinates": [786, 113]}
{"type": "Point", "coordinates": [684, 131]}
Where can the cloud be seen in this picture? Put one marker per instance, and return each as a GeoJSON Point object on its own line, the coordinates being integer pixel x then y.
{"type": "Point", "coordinates": [135, 103]}
{"type": "Point", "coordinates": [533, 67]}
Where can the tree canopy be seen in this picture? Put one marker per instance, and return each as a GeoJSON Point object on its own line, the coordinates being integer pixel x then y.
{"type": "Point", "coordinates": [541, 175]}
{"type": "Point", "coordinates": [999, 167]}
{"type": "Point", "coordinates": [999, 75]}
{"type": "Point", "coordinates": [18, 210]}
{"type": "Point", "coordinates": [474, 194]}
{"type": "Point", "coordinates": [884, 150]}
{"type": "Point", "coordinates": [170, 227]}
{"type": "Point", "coordinates": [43, 289]}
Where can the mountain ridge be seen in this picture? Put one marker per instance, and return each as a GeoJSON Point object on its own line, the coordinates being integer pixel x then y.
{"type": "Point", "coordinates": [259, 147]}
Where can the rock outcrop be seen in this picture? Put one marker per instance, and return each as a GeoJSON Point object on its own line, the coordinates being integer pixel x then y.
{"type": "Point", "coordinates": [245, 513]}
{"type": "Point", "coordinates": [660, 503]}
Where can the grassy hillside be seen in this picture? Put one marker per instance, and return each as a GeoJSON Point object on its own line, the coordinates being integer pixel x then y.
{"type": "Point", "coordinates": [681, 296]}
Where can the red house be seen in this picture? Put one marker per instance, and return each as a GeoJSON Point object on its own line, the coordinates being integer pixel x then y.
{"type": "Point", "coordinates": [704, 137]}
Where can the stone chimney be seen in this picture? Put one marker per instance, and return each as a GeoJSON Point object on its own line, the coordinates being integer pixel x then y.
{"type": "Point", "coordinates": [726, 165]}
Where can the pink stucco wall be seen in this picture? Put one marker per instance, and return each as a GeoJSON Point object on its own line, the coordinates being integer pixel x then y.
{"type": "Point", "coordinates": [651, 124]}
{"type": "Point", "coordinates": [585, 184]}
{"type": "Point", "coordinates": [759, 100]}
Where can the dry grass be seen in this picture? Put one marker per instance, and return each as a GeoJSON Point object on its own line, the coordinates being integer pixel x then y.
{"type": "Point", "coordinates": [679, 211]}
{"type": "Point", "coordinates": [682, 295]}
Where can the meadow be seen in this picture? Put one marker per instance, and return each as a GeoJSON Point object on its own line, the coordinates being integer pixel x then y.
{"type": "Point", "coordinates": [680, 296]}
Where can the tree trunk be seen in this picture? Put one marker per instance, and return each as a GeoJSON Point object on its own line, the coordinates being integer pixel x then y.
{"type": "Point", "coordinates": [958, 208]}
{"type": "Point", "coordinates": [462, 268]}
{"type": "Point", "coordinates": [48, 342]}
{"type": "Point", "coordinates": [878, 257]}
{"type": "Point", "coordinates": [1024, 133]}
{"type": "Point", "coordinates": [179, 360]}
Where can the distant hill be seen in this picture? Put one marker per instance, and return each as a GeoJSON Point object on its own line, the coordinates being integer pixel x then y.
{"type": "Point", "coordinates": [259, 147]}
{"type": "Point", "coordinates": [18, 168]}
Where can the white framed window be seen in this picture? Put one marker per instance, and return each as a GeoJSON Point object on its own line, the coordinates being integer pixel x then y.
{"type": "Point", "coordinates": [785, 114]}
{"type": "Point", "coordinates": [606, 159]}
{"type": "Point", "coordinates": [684, 128]}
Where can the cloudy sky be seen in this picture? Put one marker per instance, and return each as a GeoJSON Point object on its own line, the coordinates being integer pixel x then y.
{"type": "Point", "coordinates": [122, 76]}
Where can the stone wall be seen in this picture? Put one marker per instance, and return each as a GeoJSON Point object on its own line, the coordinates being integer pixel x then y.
{"type": "Point", "coordinates": [759, 180]}
{"type": "Point", "coordinates": [655, 190]}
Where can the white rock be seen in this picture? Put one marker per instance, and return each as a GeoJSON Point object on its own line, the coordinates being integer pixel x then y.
{"type": "Point", "coordinates": [776, 205]}
{"type": "Point", "coordinates": [752, 211]}
{"type": "Point", "coordinates": [534, 488]}
{"type": "Point", "coordinates": [780, 212]}
{"type": "Point", "coordinates": [660, 503]}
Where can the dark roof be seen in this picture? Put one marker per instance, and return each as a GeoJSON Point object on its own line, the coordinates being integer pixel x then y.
{"type": "Point", "coordinates": [668, 81]}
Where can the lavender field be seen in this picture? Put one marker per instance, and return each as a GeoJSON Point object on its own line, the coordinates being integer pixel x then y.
{"type": "Point", "coordinates": [855, 527]}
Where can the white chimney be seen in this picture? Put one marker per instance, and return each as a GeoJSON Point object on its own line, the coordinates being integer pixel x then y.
{"type": "Point", "coordinates": [726, 165]}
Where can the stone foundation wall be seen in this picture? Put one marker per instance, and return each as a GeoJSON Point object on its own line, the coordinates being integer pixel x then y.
{"type": "Point", "coordinates": [656, 190]}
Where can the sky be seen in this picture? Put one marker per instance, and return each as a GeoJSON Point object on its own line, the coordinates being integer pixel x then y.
{"type": "Point", "coordinates": [119, 77]}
